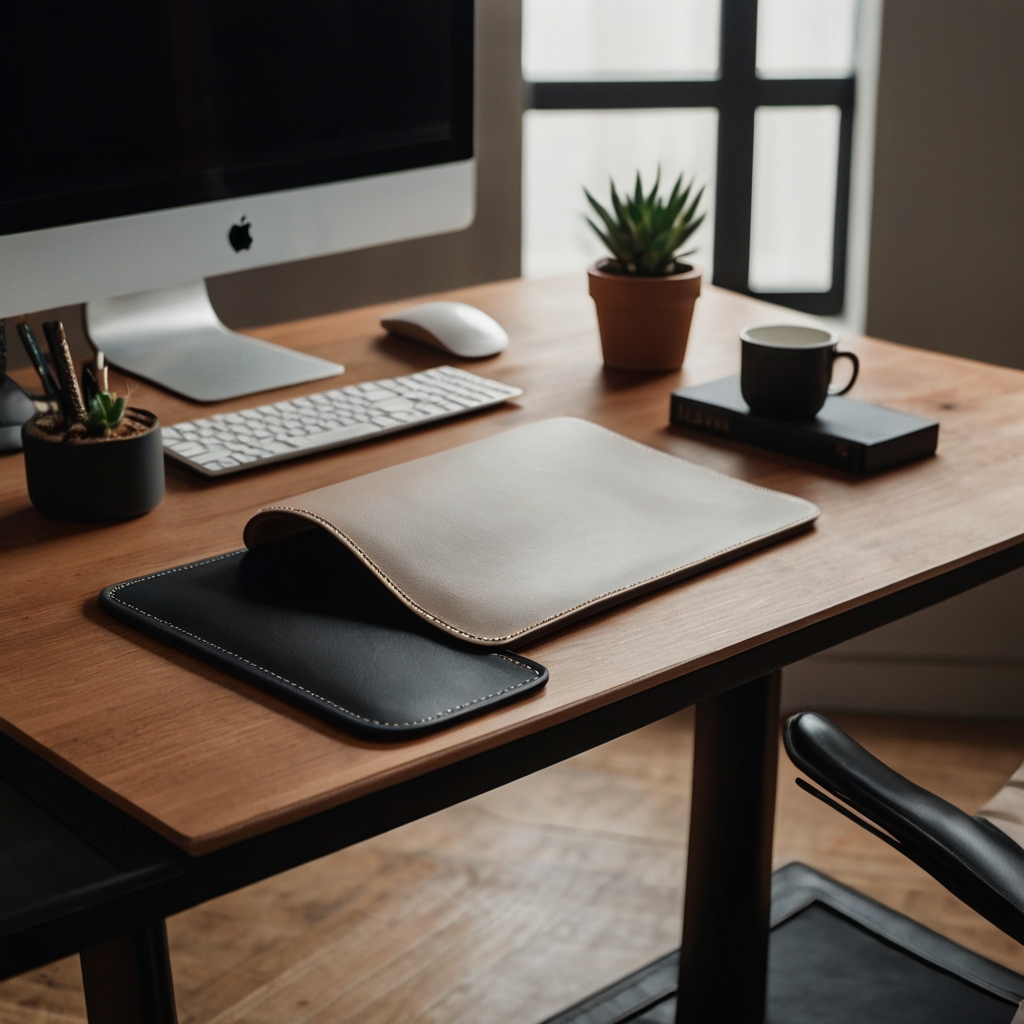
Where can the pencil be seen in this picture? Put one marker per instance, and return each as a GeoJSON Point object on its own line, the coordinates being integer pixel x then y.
{"type": "Point", "coordinates": [58, 342]}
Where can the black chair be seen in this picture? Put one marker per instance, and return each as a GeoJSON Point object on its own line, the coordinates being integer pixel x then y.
{"type": "Point", "coordinates": [972, 857]}
{"type": "Point", "coordinates": [978, 859]}
{"type": "Point", "coordinates": [836, 956]}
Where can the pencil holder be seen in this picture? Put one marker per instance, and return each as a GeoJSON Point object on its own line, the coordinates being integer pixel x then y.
{"type": "Point", "coordinates": [77, 476]}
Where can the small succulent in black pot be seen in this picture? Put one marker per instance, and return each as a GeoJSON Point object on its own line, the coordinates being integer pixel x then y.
{"type": "Point", "coordinates": [101, 461]}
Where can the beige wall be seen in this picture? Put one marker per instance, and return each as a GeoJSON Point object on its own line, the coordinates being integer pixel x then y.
{"type": "Point", "coordinates": [946, 273]}
{"type": "Point", "coordinates": [947, 234]}
{"type": "Point", "coordinates": [488, 250]}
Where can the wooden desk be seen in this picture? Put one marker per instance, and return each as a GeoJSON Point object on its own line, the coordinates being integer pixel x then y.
{"type": "Point", "coordinates": [213, 765]}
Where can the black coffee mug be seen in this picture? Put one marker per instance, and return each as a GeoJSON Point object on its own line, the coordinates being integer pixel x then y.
{"type": "Point", "coordinates": [786, 370]}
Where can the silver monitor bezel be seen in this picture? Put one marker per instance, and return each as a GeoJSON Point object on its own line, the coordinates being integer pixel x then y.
{"type": "Point", "coordinates": [121, 255]}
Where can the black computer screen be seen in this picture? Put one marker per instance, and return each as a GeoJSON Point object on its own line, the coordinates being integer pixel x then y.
{"type": "Point", "coordinates": [124, 106]}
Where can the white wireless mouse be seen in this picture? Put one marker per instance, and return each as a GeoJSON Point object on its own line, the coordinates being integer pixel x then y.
{"type": "Point", "coordinates": [463, 330]}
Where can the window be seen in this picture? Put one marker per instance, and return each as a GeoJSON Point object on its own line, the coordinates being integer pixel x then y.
{"type": "Point", "coordinates": [754, 98]}
{"type": "Point", "coordinates": [564, 150]}
{"type": "Point", "coordinates": [613, 40]}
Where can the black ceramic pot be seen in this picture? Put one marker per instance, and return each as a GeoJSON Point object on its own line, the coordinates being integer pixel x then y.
{"type": "Point", "coordinates": [117, 478]}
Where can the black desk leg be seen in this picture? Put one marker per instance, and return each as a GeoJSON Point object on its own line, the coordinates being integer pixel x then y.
{"type": "Point", "coordinates": [724, 960]}
{"type": "Point", "coordinates": [128, 980]}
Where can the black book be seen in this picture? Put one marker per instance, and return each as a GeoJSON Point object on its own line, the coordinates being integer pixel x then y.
{"type": "Point", "coordinates": [846, 434]}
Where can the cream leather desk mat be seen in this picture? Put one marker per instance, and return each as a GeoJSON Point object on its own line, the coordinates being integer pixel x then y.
{"type": "Point", "coordinates": [513, 535]}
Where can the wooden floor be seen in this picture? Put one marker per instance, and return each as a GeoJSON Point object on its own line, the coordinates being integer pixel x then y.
{"type": "Point", "coordinates": [514, 905]}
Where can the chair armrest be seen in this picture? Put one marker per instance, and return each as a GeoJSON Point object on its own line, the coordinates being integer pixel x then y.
{"type": "Point", "coordinates": [970, 857]}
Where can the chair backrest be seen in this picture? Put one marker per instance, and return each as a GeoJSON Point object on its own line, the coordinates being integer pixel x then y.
{"type": "Point", "coordinates": [977, 859]}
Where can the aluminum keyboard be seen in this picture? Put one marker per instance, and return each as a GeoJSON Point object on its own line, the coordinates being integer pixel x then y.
{"type": "Point", "coordinates": [233, 441]}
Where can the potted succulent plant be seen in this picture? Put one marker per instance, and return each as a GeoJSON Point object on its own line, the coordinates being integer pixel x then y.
{"type": "Point", "coordinates": [93, 458]}
{"type": "Point", "coordinates": [645, 293]}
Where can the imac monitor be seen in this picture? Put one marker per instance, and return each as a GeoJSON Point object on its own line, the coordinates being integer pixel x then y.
{"type": "Point", "coordinates": [152, 145]}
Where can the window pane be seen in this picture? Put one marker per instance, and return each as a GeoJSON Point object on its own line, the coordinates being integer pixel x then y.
{"type": "Point", "coordinates": [572, 40]}
{"type": "Point", "coordinates": [806, 38]}
{"type": "Point", "coordinates": [796, 155]}
{"type": "Point", "coordinates": [564, 150]}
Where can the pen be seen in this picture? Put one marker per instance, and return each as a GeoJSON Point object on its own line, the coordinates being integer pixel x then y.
{"type": "Point", "coordinates": [74, 405]}
{"type": "Point", "coordinates": [54, 345]}
{"type": "Point", "coordinates": [38, 360]}
{"type": "Point", "coordinates": [90, 387]}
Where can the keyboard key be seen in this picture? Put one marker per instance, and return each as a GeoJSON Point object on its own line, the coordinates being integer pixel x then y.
{"type": "Point", "coordinates": [345, 434]}
{"type": "Point", "coordinates": [216, 455]}
{"type": "Point", "coordinates": [396, 404]}
{"type": "Point", "coordinates": [187, 449]}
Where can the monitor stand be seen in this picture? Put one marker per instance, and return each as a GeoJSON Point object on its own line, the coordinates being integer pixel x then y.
{"type": "Point", "coordinates": [172, 337]}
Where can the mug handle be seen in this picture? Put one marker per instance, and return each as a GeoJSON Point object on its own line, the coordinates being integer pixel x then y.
{"type": "Point", "coordinates": [833, 390]}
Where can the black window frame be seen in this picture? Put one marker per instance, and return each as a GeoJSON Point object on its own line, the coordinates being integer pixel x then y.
{"type": "Point", "coordinates": [736, 93]}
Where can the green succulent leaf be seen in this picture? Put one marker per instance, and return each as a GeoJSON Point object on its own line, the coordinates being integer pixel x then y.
{"type": "Point", "coordinates": [606, 218]}
{"type": "Point", "coordinates": [106, 411]}
{"type": "Point", "coordinates": [643, 230]}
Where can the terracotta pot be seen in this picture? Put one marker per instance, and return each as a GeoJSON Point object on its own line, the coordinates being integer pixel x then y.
{"type": "Point", "coordinates": [644, 321]}
{"type": "Point", "coordinates": [118, 478]}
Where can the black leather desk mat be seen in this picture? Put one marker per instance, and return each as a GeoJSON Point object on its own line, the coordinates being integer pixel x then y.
{"type": "Point", "coordinates": [305, 620]}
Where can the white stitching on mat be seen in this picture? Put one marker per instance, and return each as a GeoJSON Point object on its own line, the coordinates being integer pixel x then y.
{"type": "Point", "coordinates": [371, 721]}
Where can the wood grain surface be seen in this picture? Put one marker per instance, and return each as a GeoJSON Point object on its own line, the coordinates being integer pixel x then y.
{"type": "Point", "coordinates": [514, 905]}
{"type": "Point", "coordinates": [207, 760]}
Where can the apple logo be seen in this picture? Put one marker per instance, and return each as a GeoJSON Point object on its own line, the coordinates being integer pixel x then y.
{"type": "Point", "coordinates": [240, 235]}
